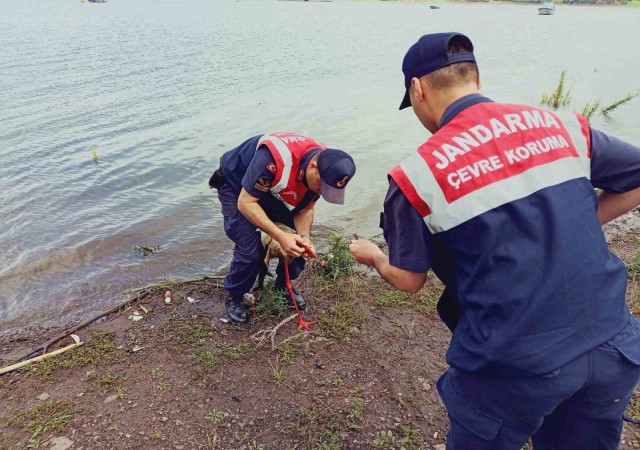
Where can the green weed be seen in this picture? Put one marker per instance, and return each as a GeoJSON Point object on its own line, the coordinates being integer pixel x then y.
{"type": "Point", "coordinates": [277, 372]}
{"type": "Point", "coordinates": [271, 303]}
{"type": "Point", "coordinates": [341, 320]}
{"type": "Point", "coordinates": [289, 350]}
{"type": "Point", "coordinates": [255, 446]}
{"type": "Point", "coordinates": [337, 262]}
{"type": "Point", "coordinates": [206, 361]}
{"type": "Point", "coordinates": [615, 105]}
{"type": "Point", "coordinates": [558, 97]}
{"type": "Point", "coordinates": [590, 108]}
{"type": "Point", "coordinates": [216, 416]}
{"type": "Point", "coordinates": [52, 415]}
{"type": "Point", "coordinates": [100, 348]}
{"type": "Point", "coordinates": [212, 441]}
{"type": "Point", "coordinates": [191, 332]}
{"type": "Point", "coordinates": [157, 433]}
{"type": "Point", "coordinates": [633, 266]}
{"type": "Point", "coordinates": [318, 427]}
{"type": "Point", "coordinates": [111, 381]}
{"type": "Point", "coordinates": [240, 351]}
{"type": "Point", "coordinates": [383, 439]}
{"type": "Point", "coordinates": [393, 298]}
{"type": "Point", "coordinates": [408, 438]}
{"type": "Point", "coordinates": [357, 408]}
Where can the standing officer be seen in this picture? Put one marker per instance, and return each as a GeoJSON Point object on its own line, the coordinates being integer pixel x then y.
{"type": "Point", "coordinates": [269, 178]}
{"type": "Point", "coordinates": [500, 203]}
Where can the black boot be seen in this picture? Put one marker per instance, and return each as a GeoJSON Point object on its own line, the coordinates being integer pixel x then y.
{"type": "Point", "coordinates": [302, 304]}
{"type": "Point", "coordinates": [236, 310]}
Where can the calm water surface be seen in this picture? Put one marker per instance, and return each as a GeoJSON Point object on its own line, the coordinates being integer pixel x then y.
{"type": "Point", "coordinates": [159, 89]}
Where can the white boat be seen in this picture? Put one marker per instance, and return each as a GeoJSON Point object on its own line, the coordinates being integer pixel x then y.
{"type": "Point", "coordinates": [546, 9]}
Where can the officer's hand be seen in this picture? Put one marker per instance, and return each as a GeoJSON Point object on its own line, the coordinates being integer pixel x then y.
{"type": "Point", "coordinates": [364, 251]}
{"type": "Point", "coordinates": [289, 243]}
{"type": "Point", "coordinates": [306, 241]}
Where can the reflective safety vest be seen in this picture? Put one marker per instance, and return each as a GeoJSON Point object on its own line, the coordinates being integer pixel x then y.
{"type": "Point", "coordinates": [505, 193]}
{"type": "Point", "coordinates": [491, 154]}
{"type": "Point", "coordinates": [288, 149]}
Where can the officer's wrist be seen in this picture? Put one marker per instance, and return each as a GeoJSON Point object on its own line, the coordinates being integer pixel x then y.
{"type": "Point", "coordinates": [304, 236]}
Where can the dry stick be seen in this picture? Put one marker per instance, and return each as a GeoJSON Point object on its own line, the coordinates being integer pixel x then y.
{"type": "Point", "coordinates": [13, 367]}
{"type": "Point", "coordinates": [291, 338]}
{"type": "Point", "coordinates": [64, 334]}
{"type": "Point", "coordinates": [263, 335]}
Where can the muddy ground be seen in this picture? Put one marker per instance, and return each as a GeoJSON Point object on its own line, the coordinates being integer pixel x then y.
{"type": "Point", "coordinates": [180, 378]}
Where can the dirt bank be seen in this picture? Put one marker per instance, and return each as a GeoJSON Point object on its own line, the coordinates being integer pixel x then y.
{"type": "Point", "coordinates": [180, 378]}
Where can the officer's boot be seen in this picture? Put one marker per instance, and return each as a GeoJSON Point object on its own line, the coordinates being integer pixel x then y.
{"type": "Point", "coordinates": [302, 304]}
{"type": "Point", "coordinates": [236, 310]}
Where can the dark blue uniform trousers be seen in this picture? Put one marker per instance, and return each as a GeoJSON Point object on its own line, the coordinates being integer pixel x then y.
{"type": "Point", "coordinates": [577, 407]}
{"type": "Point", "coordinates": [248, 251]}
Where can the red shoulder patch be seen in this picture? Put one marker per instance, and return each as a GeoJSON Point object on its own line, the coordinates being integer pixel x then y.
{"type": "Point", "coordinates": [272, 167]}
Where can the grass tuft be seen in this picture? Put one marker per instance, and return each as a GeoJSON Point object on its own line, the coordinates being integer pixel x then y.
{"type": "Point", "coordinates": [289, 351]}
{"type": "Point", "coordinates": [216, 416]}
{"type": "Point", "coordinates": [240, 351]}
{"type": "Point", "coordinates": [558, 97]}
{"type": "Point", "coordinates": [633, 266]}
{"type": "Point", "coordinates": [271, 303]}
{"type": "Point", "coordinates": [590, 108]}
{"type": "Point", "coordinates": [613, 106]}
{"type": "Point", "coordinates": [111, 381]}
{"type": "Point", "coordinates": [52, 415]}
{"type": "Point", "coordinates": [206, 361]}
{"type": "Point", "coordinates": [318, 427]}
{"type": "Point", "coordinates": [190, 332]}
{"type": "Point", "coordinates": [341, 320]}
{"type": "Point", "coordinates": [100, 348]}
{"type": "Point", "coordinates": [393, 298]}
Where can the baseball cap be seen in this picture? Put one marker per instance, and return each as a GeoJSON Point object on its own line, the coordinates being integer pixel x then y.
{"type": "Point", "coordinates": [428, 55]}
{"type": "Point", "coordinates": [336, 169]}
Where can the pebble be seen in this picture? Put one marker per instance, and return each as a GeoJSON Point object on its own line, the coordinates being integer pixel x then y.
{"type": "Point", "coordinates": [60, 443]}
{"type": "Point", "coordinates": [44, 396]}
{"type": "Point", "coordinates": [111, 398]}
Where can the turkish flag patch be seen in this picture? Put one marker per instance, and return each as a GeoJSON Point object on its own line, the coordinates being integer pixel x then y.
{"type": "Point", "coordinates": [272, 167]}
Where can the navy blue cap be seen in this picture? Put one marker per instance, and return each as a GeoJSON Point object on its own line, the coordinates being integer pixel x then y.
{"type": "Point", "coordinates": [428, 55]}
{"type": "Point", "coordinates": [336, 169]}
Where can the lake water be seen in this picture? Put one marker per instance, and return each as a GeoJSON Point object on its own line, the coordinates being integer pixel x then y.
{"type": "Point", "coordinates": [160, 88]}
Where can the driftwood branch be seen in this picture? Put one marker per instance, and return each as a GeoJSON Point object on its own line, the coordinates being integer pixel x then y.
{"type": "Point", "coordinates": [291, 338]}
{"type": "Point", "coordinates": [13, 367]}
{"type": "Point", "coordinates": [270, 333]}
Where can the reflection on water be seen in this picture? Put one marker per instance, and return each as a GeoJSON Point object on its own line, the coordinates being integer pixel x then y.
{"type": "Point", "coordinates": [159, 89]}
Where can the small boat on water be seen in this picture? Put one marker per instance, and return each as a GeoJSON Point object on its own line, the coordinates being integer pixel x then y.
{"type": "Point", "coordinates": [546, 9]}
{"type": "Point", "coordinates": [434, 7]}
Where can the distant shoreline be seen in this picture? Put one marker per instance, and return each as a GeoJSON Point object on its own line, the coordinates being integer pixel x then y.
{"type": "Point", "coordinates": [630, 4]}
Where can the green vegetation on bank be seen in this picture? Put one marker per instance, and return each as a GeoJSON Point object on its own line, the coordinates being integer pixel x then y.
{"type": "Point", "coordinates": [561, 96]}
